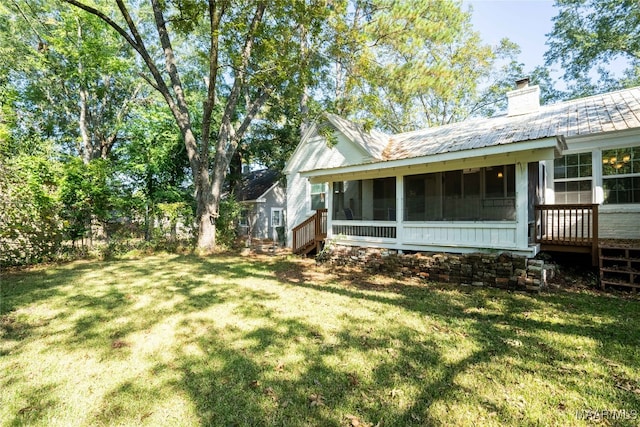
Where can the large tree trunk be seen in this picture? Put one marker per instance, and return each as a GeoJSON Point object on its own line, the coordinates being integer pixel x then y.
{"type": "Point", "coordinates": [208, 191]}
{"type": "Point", "coordinates": [206, 233]}
{"type": "Point", "coordinates": [235, 172]}
{"type": "Point", "coordinates": [206, 214]}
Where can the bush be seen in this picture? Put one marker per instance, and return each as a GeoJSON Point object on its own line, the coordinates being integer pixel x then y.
{"type": "Point", "coordinates": [30, 227]}
{"type": "Point", "coordinates": [228, 214]}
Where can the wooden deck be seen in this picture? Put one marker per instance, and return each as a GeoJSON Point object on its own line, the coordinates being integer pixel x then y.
{"type": "Point", "coordinates": [568, 228]}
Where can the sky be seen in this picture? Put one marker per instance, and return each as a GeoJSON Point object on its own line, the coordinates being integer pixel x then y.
{"type": "Point", "coordinates": [525, 22]}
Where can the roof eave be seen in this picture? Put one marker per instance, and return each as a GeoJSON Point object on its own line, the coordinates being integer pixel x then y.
{"type": "Point", "coordinates": [556, 143]}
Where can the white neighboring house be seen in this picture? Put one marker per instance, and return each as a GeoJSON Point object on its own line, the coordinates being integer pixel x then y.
{"type": "Point", "coordinates": [476, 185]}
{"type": "Point", "coordinates": [263, 200]}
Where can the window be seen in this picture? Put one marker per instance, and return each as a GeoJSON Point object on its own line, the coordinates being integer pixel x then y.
{"type": "Point", "coordinates": [244, 218]}
{"type": "Point", "coordinates": [347, 200]}
{"type": "Point", "coordinates": [318, 195]}
{"type": "Point", "coordinates": [462, 195]}
{"type": "Point", "coordinates": [276, 217]}
{"type": "Point", "coordinates": [365, 200]}
{"type": "Point", "coordinates": [384, 199]}
{"type": "Point", "coordinates": [500, 181]}
{"type": "Point", "coordinates": [572, 178]}
{"type": "Point", "coordinates": [621, 175]}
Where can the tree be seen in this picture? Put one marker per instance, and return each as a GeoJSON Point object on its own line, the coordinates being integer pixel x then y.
{"type": "Point", "coordinates": [86, 193]}
{"type": "Point", "coordinates": [394, 65]}
{"type": "Point", "coordinates": [589, 34]}
{"type": "Point", "coordinates": [408, 64]}
{"type": "Point", "coordinates": [251, 51]}
{"type": "Point", "coordinates": [155, 163]}
{"type": "Point", "coordinates": [75, 80]}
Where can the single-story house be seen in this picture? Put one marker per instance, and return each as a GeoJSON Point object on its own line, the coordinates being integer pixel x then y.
{"type": "Point", "coordinates": [566, 173]}
{"type": "Point", "coordinates": [262, 197]}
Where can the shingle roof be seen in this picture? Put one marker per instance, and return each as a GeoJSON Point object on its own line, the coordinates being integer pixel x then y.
{"type": "Point", "coordinates": [254, 184]}
{"type": "Point", "coordinates": [607, 112]}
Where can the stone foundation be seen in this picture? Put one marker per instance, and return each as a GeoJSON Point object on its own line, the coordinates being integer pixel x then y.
{"type": "Point", "coordinates": [503, 270]}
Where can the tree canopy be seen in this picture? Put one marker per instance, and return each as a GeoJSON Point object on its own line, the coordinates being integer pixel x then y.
{"type": "Point", "coordinates": [588, 35]}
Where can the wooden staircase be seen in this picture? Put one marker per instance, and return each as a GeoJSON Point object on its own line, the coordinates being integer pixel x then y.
{"type": "Point", "coordinates": [309, 235]}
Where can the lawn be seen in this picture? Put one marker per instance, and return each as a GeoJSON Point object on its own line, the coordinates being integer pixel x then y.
{"type": "Point", "coordinates": [226, 340]}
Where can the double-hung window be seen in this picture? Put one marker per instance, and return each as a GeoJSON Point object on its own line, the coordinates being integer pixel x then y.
{"type": "Point", "coordinates": [318, 196]}
{"type": "Point", "coordinates": [621, 175]}
{"type": "Point", "coordinates": [572, 178]}
{"type": "Point", "coordinates": [276, 217]}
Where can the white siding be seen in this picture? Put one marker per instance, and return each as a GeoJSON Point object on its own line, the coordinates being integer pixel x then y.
{"type": "Point", "coordinates": [481, 235]}
{"type": "Point", "coordinates": [619, 225]}
{"type": "Point", "coordinates": [314, 153]}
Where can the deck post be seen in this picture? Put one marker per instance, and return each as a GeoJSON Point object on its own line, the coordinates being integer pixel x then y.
{"type": "Point", "coordinates": [594, 242]}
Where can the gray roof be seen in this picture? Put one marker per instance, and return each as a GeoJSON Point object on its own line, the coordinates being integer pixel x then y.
{"type": "Point", "coordinates": [613, 111]}
{"type": "Point", "coordinates": [254, 184]}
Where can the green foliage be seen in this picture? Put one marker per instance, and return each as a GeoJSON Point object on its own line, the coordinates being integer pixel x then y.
{"type": "Point", "coordinates": [173, 215]}
{"type": "Point", "coordinates": [155, 163]}
{"type": "Point", "coordinates": [74, 78]}
{"type": "Point", "coordinates": [409, 64]}
{"type": "Point", "coordinates": [30, 226]}
{"type": "Point", "coordinates": [589, 34]}
{"type": "Point", "coordinates": [85, 196]}
{"type": "Point", "coordinates": [228, 216]}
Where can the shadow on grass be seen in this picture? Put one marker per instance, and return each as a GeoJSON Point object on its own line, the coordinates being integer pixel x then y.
{"type": "Point", "coordinates": [237, 376]}
{"type": "Point", "coordinates": [36, 404]}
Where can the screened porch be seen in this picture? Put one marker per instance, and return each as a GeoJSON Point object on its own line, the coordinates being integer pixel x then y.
{"type": "Point", "coordinates": [466, 207]}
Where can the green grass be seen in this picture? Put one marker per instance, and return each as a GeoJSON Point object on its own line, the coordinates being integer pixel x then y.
{"type": "Point", "coordinates": [224, 340]}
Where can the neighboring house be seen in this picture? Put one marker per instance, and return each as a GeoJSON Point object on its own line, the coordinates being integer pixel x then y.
{"type": "Point", "coordinates": [262, 197]}
{"type": "Point", "coordinates": [476, 185]}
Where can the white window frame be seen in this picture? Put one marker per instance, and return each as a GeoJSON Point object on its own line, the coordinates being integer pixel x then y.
{"type": "Point", "coordinates": [310, 194]}
{"type": "Point", "coordinates": [589, 178]}
{"type": "Point", "coordinates": [280, 222]}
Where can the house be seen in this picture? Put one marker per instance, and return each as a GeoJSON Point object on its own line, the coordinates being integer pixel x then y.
{"type": "Point", "coordinates": [262, 197]}
{"type": "Point", "coordinates": [538, 177]}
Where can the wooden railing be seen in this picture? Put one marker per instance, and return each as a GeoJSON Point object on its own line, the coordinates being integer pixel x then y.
{"type": "Point", "coordinates": [385, 232]}
{"type": "Point", "coordinates": [310, 233]}
{"type": "Point", "coordinates": [568, 228]}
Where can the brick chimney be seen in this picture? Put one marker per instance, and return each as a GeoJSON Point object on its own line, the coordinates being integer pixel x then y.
{"type": "Point", "coordinates": [524, 99]}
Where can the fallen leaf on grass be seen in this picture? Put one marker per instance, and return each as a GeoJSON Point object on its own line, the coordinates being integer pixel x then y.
{"type": "Point", "coordinates": [355, 421]}
{"type": "Point", "coordinates": [316, 400]}
{"type": "Point", "coordinates": [119, 344]}
{"type": "Point", "coordinates": [279, 367]}
{"type": "Point", "coordinates": [353, 379]}
{"type": "Point", "coordinates": [271, 393]}
{"type": "Point", "coordinates": [285, 403]}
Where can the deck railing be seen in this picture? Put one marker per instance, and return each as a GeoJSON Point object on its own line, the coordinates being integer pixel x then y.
{"type": "Point", "coordinates": [377, 231]}
{"type": "Point", "coordinates": [309, 233]}
{"type": "Point", "coordinates": [567, 227]}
